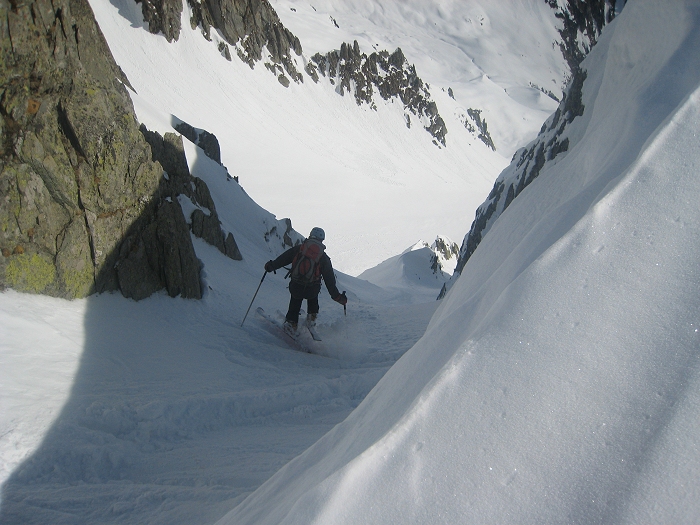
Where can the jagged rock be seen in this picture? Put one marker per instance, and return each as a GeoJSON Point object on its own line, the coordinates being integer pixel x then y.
{"type": "Point", "coordinates": [163, 16]}
{"type": "Point", "coordinates": [287, 235]}
{"type": "Point", "coordinates": [208, 228]}
{"type": "Point", "coordinates": [210, 144]}
{"type": "Point", "coordinates": [205, 223]}
{"type": "Point", "coordinates": [224, 50]}
{"type": "Point", "coordinates": [389, 74]}
{"type": "Point", "coordinates": [285, 240]}
{"type": "Point", "coordinates": [75, 173]}
{"type": "Point", "coordinates": [250, 25]}
{"type": "Point", "coordinates": [85, 208]}
{"type": "Point", "coordinates": [484, 135]}
{"type": "Point", "coordinates": [181, 266]}
{"type": "Point", "coordinates": [186, 131]}
{"type": "Point", "coordinates": [231, 248]}
{"type": "Point", "coordinates": [205, 140]}
{"type": "Point", "coordinates": [283, 80]}
{"type": "Point", "coordinates": [583, 23]}
{"type": "Point", "coordinates": [445, 248]}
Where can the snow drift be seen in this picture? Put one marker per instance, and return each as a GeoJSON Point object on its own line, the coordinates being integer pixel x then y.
{"type": "Point", "coordinates": [558, 381]}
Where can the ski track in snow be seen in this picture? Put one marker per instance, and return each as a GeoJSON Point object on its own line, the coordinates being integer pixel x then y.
{"type": "Point", "coordinates": [172, 403]}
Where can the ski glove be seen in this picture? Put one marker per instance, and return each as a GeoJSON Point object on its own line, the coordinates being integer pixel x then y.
{"type": "Point", "coordinates": [269, 267]}
{"type": "Point", "coordinates": [341, 298]}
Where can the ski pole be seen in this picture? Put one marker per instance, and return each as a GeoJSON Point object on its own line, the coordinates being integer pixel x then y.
{"type": "Point", "coordinates": [254, 296]}
{"type": "Point", "coordinates": [345, 311]}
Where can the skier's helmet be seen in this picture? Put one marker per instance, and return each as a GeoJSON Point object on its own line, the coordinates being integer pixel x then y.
{"type": "Point", "coordinates": [317, 233]}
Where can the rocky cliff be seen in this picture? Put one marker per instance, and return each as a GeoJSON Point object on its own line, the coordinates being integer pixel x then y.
{"type": "Point", "coordinates": [84, 203]}
{"type": "Point", "coordinates": [582, 24]}
{"type": "Point", "coordinates": [390, 75]}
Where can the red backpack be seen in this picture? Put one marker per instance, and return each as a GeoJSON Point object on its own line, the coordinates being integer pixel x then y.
{"type": "Point", "coordinates": [306, 266]}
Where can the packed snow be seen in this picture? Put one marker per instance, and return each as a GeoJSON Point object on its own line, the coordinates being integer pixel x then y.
{"type": "Point", "coordinates": [557, 382]}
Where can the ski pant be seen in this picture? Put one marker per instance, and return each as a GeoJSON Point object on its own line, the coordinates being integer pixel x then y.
{"type": "Point", "coordinates": [299, 292]}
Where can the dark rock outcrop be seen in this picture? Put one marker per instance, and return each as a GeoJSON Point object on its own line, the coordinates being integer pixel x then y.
{"type": "Point", "coordinates": [163, 16]}
{"type": "Point", "coordinates": [477, 126]}
{"type": "Point", "coordinates": [582, 24]}
{"type": "Point", "coordinates": [287, 238]}
{"type": "Point", "coordinates": [81, 201]}
{"type": "Point", "coordinates": [181, 184]}
{"type": "Point", "coordinates": [202, 138]}
{"type": "Point", "coordinates": [249, 25]}
{"type": "Point", "coordinates": [389, 74]}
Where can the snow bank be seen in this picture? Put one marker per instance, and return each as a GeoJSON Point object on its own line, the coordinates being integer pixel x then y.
{"type": "Point", "coordinates": [558, 382]}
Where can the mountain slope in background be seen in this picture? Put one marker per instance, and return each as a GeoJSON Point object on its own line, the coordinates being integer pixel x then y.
{"type": "Point", "coordinates": [559, 380]}
{"type": "Point", "coordinates": [317, 157]}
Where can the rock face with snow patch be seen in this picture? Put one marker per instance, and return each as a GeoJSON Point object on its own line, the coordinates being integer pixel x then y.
{"type": "Point", "coordinates": [582, 23]}
{"type": "Point", "coordinates": [250, 26]}
{"type": "Point", "coordinates": [181, 184]}
{"type": "Point", "coordinates": [163, 16]}
{"type": "Point", "coordinates": [202, 138]}
{"type": "Point", "coordinates": [389, 74]}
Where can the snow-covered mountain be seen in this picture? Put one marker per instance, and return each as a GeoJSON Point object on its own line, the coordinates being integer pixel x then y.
{"type": "Point", "coordinates": [308, 153]}
{"type": "Point", "coordinates": [558, 382]}
{"type": "Point", "coordinates": [555, 382]}
{"type": "Point", "coordinates": [424, 269]}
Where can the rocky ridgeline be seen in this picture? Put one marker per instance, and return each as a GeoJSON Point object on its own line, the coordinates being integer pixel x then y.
{"type": "Point", "coordinates": [583, 23]}
{"type": "Point", "coordinates": [84, 203]}
{"type": "Point", "coordinates": [247, 25]}
{"type": "Point", "coordinates": [253, 25]}
{"type": "Point", "coordinates": [389, 74]}
{"type": "Point", "coordinates": [179, 184]}
{"type": "Point", "coordinates": [525, 167]}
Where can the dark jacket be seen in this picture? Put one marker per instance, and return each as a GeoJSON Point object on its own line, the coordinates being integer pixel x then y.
{"type": "Point", "coordinates": [326, 268]}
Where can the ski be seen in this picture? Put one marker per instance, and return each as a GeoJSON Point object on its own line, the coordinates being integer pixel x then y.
{"type": "Point", "coordinates": [313, 332]}
{"type": "Point", "coordinates": [277, 328]}
{"type": "Point", "coordinates": [311, 328]}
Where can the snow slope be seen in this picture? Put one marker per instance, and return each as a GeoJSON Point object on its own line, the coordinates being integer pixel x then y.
{"type": "Point", "coordinates": [170, 410]}
{"type": "Point", "coordinates": [411, 270]}
{"type": "Point", "coordinates": [559, 380]}
{"type": "Point", "coordinates": [311, 155]}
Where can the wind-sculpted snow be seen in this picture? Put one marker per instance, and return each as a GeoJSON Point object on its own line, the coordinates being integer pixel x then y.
{"type": "Point", "coordinates": [558, 382]}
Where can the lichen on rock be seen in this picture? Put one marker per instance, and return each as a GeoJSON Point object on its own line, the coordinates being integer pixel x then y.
{"type": "Point", "coordinates": [76, 175]}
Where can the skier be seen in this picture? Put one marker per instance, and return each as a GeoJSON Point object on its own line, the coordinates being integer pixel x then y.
{"type": "Point", "coordinates": [309, 263]}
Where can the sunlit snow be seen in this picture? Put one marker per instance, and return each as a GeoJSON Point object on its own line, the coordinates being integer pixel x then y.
{"type": "Point", "coordinates": [557, 382]}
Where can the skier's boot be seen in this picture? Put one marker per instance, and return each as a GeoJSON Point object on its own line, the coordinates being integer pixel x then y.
{"type": "Point", "coordinates": [290, 328]}
{"type": "Point", "coordinates": [311, 320]}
